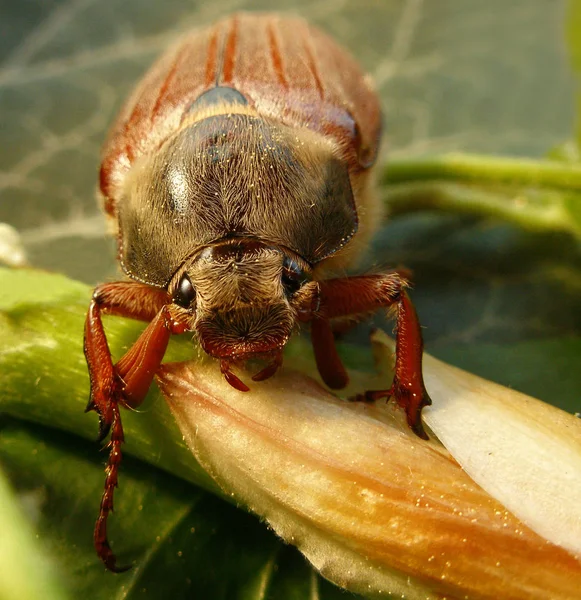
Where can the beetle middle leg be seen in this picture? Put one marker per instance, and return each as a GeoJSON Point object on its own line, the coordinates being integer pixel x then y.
{"type": "Point", "coordinates": [126, 382]}
{"type": "Point", "coordinates": [353, 295]}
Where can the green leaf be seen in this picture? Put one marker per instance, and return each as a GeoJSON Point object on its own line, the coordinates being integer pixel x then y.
{"type": "Point", "coordinates": [573, 38]}
{"type": "Point", "coordinates": [203, 547]}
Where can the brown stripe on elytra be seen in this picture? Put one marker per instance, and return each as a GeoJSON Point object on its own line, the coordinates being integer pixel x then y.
{"type": "Point", "coordinates": [276, 56]}
{"type": "Point", "coordinates": [131, 123]}
{"type": "Point", "coordinates": [211, 76]}
{"type": "Point", "coordinates": [165, 86]}
{"type": "Point", "coordinates": [230, 52]}
{"type": "Point", "coordinates": [312, 65]}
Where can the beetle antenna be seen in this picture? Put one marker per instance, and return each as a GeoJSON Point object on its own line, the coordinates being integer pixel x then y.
{"type": "Point", "coordinates": [100, 534]}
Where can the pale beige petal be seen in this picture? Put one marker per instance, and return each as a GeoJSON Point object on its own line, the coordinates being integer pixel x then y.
{"type": "Point", "coordinates": [525, 453]}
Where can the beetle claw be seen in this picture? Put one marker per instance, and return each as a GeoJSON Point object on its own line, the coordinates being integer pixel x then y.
{"type": "Point", "coordinates": [364, 397]}
{"type": "Point", "coordinates": [105, 553]}
{"type": "Point", "coordinates": [110, 563]}
{"type": "Point", "coordinates": [104, 428]}
{"type": "Point", "coordinates": [411, 399]}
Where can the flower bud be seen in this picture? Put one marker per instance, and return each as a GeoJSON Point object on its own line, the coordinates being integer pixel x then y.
{"type": "Point", "coordinates": [374, 508]}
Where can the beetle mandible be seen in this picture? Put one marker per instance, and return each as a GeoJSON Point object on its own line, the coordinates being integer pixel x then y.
{"type": "Point", "coordinates": [239, 178]}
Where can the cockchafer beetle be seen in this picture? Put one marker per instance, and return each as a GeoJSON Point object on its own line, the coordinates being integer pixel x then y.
{"type": "Point", "coordinates": [239, 177]}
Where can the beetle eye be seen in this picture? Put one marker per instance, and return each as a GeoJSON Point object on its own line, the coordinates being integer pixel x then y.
{"type": "Point", "coordinates": [185, 293]}
{"type": "Point", "coordinates": [293, 277]}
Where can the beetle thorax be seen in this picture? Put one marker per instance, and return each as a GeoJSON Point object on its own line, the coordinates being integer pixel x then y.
{"type": "Point", "coordinates": [234, 175]}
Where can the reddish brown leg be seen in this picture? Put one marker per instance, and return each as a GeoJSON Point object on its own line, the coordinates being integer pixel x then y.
{"type": "Point", "coordinates": [127, 299]}
{"type": "Point", "coordinates": [340, 297]}
{"type": "Point", "coordinates": [232, 379]}
{"type": "Point", "coordinates": [328, 360]}
{"type": "Point", "coordinates": [127, 382]}
{"type": "Point", "coordinates": [271, 368]}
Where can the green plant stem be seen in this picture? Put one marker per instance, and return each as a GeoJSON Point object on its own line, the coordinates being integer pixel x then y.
{"type": "Point", "coordinates": [485, 168]}
{"type": "Point", "coordinates": [541, 195]}
{"type": "Point", "coordinates": [541, 213]}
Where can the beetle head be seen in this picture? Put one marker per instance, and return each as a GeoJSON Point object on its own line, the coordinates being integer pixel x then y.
{"type": "Point", "coordinates": [244, 298]}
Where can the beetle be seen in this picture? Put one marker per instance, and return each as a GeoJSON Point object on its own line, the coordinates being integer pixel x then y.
{"type": "Point", "coordinates": [239, 179]}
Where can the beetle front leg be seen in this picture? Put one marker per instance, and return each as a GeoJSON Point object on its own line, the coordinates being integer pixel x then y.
{"type": "Point", "coordinates": [125, 383]}
{"type": "Point", "coordinates": [340, 297]}
{"type": "Point", "coordinates": [407, 387]}
{"type": "Point", "coordinates": [126, 299]}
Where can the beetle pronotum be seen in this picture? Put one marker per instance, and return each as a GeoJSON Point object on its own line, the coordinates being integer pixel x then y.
{"type": "Point", "coordinates": [238, 175]}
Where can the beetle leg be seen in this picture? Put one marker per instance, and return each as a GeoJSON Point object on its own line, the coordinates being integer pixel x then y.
{"type": "Point", "coordinates": [232, 379]}
{"type": "Point", "coordinates": [100, 540]}
{"type": "Point", "coordinates": [127, 382]}
{"type": "Point", "coordinates": [408, 387]}
{"type": "Point", "coordinates": [326, 356]}
{"type": "Point", "coordinates": [270, 369]}
{"type": "Point", "coordinates": [127, 299]}
{"type": "Point", "coordinates": [352, 295]}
